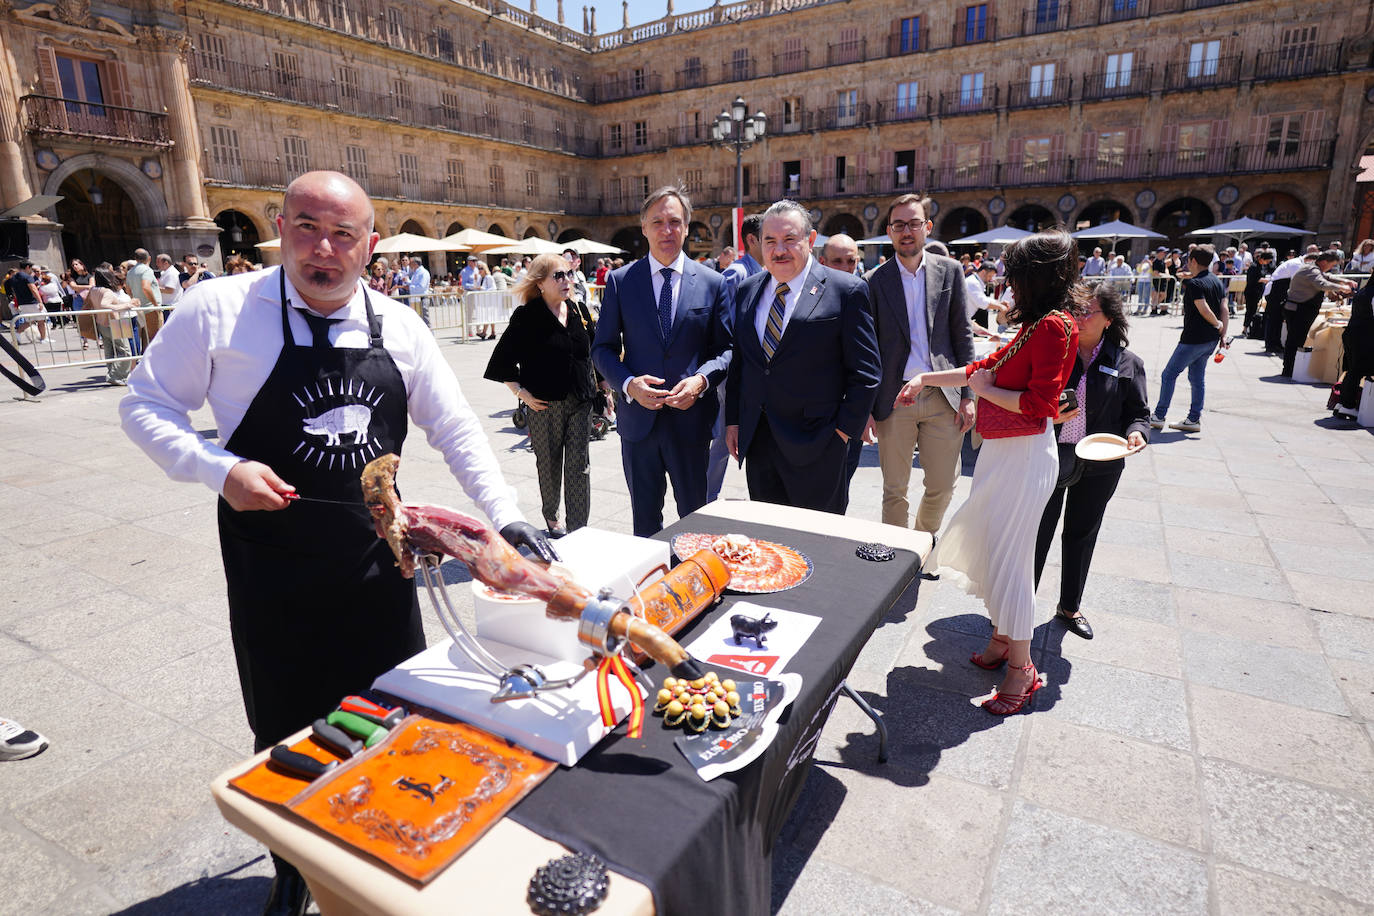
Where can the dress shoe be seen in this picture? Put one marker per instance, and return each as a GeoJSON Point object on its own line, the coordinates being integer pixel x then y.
{"type": "Point", "coordinates": [289, 895]}
{"type": "Point", "coordinates": [1076, 624]}
{"type": "Point", "coordinates": [555, 530]}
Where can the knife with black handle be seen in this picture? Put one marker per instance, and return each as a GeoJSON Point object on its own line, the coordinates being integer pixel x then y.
{"type": "Point", "coordinates": [335, 739]}
{"type": "Point", "coordinates": [294, 763]}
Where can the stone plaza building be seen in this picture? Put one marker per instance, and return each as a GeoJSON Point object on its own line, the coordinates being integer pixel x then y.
{"type": "Point", "coordinates": [175, 124]}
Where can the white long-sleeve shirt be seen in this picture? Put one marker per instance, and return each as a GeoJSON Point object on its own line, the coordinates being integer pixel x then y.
{"type": "Point", "coordinates": [1284, 271]}
{"type": "Point", "coordinates": [221, 344]}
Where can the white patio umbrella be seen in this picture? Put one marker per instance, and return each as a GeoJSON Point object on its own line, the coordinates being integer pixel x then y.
{"type": "Point", "coordinates": [531, 246]}
{"type": "Point", "coordinates": [876, 240]}
{"type": "Point", "coordinates": [406, 242]}
{"type": "Point", "coordinates": [587, 246]}
{"type": "Point", "coordinates": [270, 243]}
{"type": "Point", "coordinates": [1243, 228]}
{"type": "Point", "coordinates": [1116, 230]}
{"type": "Point", "coordinates": [477, 240]}
{"type": "Point", "coordinates": [999, 236]}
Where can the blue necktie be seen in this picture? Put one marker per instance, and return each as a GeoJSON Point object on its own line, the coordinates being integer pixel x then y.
{"type": "Point", "coordinates": [772, 331]}
{"type": "Point", "coordinates": [665, 303]}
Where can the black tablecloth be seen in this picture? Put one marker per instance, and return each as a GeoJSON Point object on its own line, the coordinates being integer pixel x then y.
{"type": "Point", "coordinates": [706, 847]}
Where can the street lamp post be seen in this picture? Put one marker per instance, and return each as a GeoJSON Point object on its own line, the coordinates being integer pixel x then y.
{"type": "Point", "coordinates": [733, 129]}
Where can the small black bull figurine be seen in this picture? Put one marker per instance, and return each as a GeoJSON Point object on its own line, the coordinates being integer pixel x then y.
{"type": "Point", "coordinates": [746, 627]}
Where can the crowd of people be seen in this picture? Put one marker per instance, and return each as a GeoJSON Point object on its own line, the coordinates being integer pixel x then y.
{"type": "Point", "coordinates": [127, 302]}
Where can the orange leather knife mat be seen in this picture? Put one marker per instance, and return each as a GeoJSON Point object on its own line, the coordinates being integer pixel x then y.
{"type": "Point", "coordinates": [266, 783]}
{"type": "Point", "coordinates": [423, 795]}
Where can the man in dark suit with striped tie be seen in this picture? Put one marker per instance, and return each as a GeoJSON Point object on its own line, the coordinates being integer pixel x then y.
{"type": "Point", "coordinates": [663, 343]}
{"type": "Point", "coordinates": [804, 372]}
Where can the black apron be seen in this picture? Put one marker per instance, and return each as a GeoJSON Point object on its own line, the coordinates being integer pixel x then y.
{"type": "Point", "coordinates": [317, 607]}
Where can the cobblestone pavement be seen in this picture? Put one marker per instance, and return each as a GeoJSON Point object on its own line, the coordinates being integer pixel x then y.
{"type": "Point", "coordinates": [1208, 752]}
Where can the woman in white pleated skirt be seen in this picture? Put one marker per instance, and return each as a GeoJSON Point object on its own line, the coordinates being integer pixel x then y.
{"type": "Point", "coordinates": [989, 547]}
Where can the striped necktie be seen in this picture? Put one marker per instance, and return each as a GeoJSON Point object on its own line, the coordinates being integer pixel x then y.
{"type": "Point", "coordinates": [772, 332]}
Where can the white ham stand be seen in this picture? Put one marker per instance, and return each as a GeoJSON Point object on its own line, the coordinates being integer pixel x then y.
{"type": "Point", "coordinates": [561, 724]}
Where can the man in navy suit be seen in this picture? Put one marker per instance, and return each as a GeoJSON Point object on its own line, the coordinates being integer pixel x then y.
{"type": "Point", "coordinates": [662, 341]}
{"type": "Point", "coordinates": [805, 369]}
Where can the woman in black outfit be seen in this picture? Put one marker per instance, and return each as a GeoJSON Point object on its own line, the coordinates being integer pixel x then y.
{"type": "Point", "coordinates": [1359, 350]}
{"type": "Point", "coordinates": [1110, 383]}
{"type": "Point", "coordinates": [544, 356]}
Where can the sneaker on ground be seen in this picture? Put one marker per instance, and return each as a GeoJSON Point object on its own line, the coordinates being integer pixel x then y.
{"type": "Point", "coordinates": [1156, 422]}
{"type": "Point", "coordinates": [1187, 426]}
{"type": "Point", "coordinates": [18, 742]}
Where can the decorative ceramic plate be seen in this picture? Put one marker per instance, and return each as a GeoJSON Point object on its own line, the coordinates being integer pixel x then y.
{"type": "Point", "coordinates": [756, 568]}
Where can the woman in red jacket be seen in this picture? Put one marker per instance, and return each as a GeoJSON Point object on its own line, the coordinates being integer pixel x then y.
{"type": "Point", "coordinates": [988, 548]}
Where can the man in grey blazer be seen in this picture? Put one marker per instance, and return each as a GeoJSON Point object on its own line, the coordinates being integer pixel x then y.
{"type": "Point", "coordinates": [923, 326]}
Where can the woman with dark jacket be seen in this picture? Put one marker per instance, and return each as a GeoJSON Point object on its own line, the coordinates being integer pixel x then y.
{"type": "Point", "coordinates": [544, 357]}
{"type": "Point", "coordinates": [1110, 385]}
{"type": "Point", "coordinates": [1359, 350]}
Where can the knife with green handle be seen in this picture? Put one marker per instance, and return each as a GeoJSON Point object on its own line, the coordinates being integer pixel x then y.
{"type": "Point", "coordinates": [357, 726]}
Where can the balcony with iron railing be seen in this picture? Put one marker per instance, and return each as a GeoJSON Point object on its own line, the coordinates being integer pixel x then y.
{"type": "Point", "coordinates": [794, 61]}
{"type": "Point", "coordinates": [951, 177]}
{"type": "Point", "coordinates": [271, 83]}
{"type": "Point", "coordinates": [1030, 172]}
{"type": "Point", "coordinates": [1035, 93]}
{"type": "Point", "coordinates": [1208, 73]}
{"type": "Point", "coordinates": [846, 52]}
{"type": "Point", "coordinates": [838, 117]}
{"type": "Point", "coordinates": [966, 32]}
{"type": "Point", "coordinates": [903, 108]}
{"type": "Point", "coordinates": [960, 102]}
{"type": "Point", "coordinates": [1045, 16]}
{"type": "Point", "coordinates": [846, 185]}
{"type": "Point", "coordinates": [1025, 173]}
{"type": "Point", "coordinates": [914, 42]}
{"type": "Point", "coordinates": [1109, 11]}
{"type": "Point", "coordinates": [1117, 84]}
{"type": "Point", "coordinates": [690, 77]}
{"type": "Point", "coordinates": [1295, 62]}
{"type": "Point", "coordinates": [46, 114]}
{"type": "Point", "coordinates": [738, 69]}
{"type": "Point", "coordinates": [275, 174]}
{"type": "Point", "coordinates": [362, 20]}
{"type": "Point", "coordinates": [628, 87]}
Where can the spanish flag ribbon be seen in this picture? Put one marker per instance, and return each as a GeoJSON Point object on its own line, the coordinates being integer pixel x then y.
{"type": "Point", "coordinates": [614, 664]}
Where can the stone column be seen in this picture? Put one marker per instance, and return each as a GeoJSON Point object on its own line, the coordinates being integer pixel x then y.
{"type": "Point", "coordinates": [184, 180]}
{"type": "Point", "coordinates": [14, 183]}
{"type": "Point", "coordinates": [1341, 189]}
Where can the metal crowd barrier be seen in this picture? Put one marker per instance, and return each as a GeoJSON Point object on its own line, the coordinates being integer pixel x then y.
{"type": "Point", "coordinates": [468, 310]}
{"type": "Point", "coordinates": [63, 348]}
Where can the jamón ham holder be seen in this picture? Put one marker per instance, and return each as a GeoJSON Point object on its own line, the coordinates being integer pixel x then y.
{"type": "Point", "coordinates": [418, 534]}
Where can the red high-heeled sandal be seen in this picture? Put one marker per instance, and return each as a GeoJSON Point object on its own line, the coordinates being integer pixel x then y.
{"type": "Point", "coordinates": [991, 664]}
{"type": "Point", "coordinates": [1015, 702]}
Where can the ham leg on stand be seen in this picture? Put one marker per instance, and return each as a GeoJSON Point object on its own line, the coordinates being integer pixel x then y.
{"type": "Point", "coordinates": [603, 622]}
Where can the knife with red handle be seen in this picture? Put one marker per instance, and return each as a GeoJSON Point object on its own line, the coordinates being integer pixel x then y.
{"type": "Point", "coordinates": [373, 712]}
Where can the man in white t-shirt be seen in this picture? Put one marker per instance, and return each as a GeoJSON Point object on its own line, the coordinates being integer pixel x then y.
{"type": "Point", "coordinates": [168, 279]}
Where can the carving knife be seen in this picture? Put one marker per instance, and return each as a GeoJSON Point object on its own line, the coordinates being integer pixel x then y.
{"type": "Point", "coordinates": [300, 765]}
